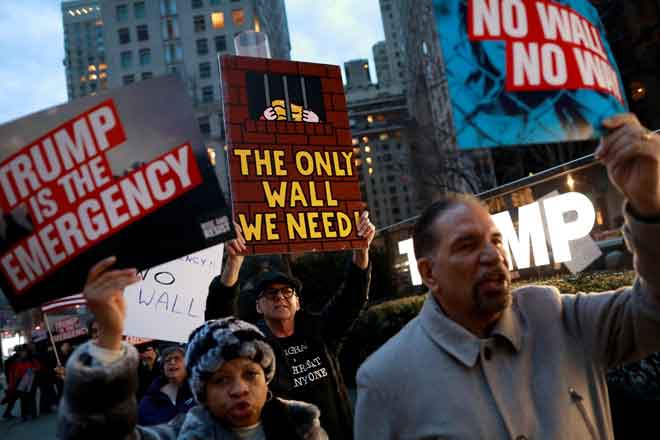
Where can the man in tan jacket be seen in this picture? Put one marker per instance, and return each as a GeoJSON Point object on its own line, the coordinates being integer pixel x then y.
{"type": "Point", "coordinates": [483, 362]}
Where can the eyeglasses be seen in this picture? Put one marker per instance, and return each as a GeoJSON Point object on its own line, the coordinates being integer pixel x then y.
{"type": "Point", "coordinates": [271, 293]}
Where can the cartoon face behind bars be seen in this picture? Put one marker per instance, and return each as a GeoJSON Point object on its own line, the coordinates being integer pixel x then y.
{"type": "Point", "coordinates": [277, 111]}
{"type": "Point", "coordinates": [295, 98]}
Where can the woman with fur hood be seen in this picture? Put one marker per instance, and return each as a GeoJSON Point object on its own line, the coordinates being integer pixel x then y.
{"type": "Point", "coordinates": [229, 367]}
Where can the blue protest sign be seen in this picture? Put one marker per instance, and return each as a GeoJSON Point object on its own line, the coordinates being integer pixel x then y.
{"type": "Point", "coordinates": [526, 71]}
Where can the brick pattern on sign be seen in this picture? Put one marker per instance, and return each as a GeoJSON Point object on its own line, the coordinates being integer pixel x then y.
{"type": "Point", "coordinates": [327, 186]}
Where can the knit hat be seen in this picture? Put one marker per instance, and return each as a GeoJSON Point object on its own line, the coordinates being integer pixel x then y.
{"type": "Point", "coordinates": [222, 340]}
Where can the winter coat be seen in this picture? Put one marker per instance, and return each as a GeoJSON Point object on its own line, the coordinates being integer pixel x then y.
{"type": "Point", "coordinates": [156, 407]}
{"type": "Point", "coordinates": [99, 403]}
{"type": "Point", "coordinates": [321, 334]}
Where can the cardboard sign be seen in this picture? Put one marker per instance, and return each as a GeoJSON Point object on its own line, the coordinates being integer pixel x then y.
{"type": "Point", "coordinates": [294, 184]}
{"type": "Point", "coordinates": [527, 71]}
{"type": "Point", "coordinates": [170, 301]}
{"type": "Point", "coordinates": [120, 174]}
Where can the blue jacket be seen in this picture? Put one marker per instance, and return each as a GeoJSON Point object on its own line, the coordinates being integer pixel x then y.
{"type": "Point", "coordinates": [156, 407]}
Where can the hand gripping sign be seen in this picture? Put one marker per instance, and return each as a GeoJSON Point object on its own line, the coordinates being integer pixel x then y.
{"type": "Point", "coordinates": [526, 71]}
{"type": "Point", "coordinates": [122, 174]}
{"type": "Point", "coordinates": [294, 184]}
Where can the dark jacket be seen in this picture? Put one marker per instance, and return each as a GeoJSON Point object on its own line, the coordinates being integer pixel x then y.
{"type": "Point", "coordinates": [156, 407]}
{"type": "Point", "coordinates": [146, 377]}
{"type": "Point", "coordinates": [99, 404]}
{"type": "Point", "coordinates": [323, 334]}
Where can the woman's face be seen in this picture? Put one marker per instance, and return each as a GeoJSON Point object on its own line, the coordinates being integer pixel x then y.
{"type": "Point", "coordinates": [236, 393]}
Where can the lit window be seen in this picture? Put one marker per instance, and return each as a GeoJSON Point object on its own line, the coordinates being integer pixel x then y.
{"type": "Point", "coordinates": [122, 13]}
{"type": "Point", "coordinates": [365, 139]}
{"type": "Point", "coordinates": [199, 23]}
{"type": "Point", "coordinates": [367, 149]}
{"type": "Point", "coordinates": [142, 32]}
{"type": "Point", "coordinates": [257, 25]}
{"type": "Point", "coordinates": [371, 171]}
{"type": "Point", "coordinates": [358, 162]}
{"type": "Point", "coordinates": [205, 70]}
{"type": "Point", "coordinates": [370, 119]}
{"type": "Point", "coordinates": [211, 153]}
{"type": "Point", "coordinates": [202, 46]}
{"type": "Point", "coordinates": [103, 75]}
{"type": "Point", "coordinates": [91, 68]}
{"type": "Point", "coordinates": [355, 141]}
{"type": "Point", "coordinates": [93, 77]}
{"type": "Point", "coordinates": [384, 136]}
{"type": "Point", "coordinates": [368, 160]}
{"type": "Point", "coordinates": [103, 66]}
{"type": "Point", "coordinates": [124, 36]}
{"type": "Point", "coordinates": [238, 17]}
{"type": "Point", "coordinates": [218, 20]}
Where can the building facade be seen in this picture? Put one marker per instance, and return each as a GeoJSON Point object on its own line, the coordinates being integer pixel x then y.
{"type": "Point", "coordinates": [139, 39]}
{"type": "Point", "coordinates": [440, 167]}
{"type": "Point", "coordinates": [357, 74]}
{"type": "Point", "coordinates": [394, 29]}
{"type": "Point", "coordinates": [378, 117]}
{"type": "Point", "coordinates": [382, 64]}
{"type": "Point", "coordinates": [84, 48]}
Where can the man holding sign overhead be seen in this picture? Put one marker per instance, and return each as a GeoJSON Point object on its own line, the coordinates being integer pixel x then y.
{"type": "Point", "coordinates": [483, 361]}
{"type": "Point", "coordinates": [305, 344]}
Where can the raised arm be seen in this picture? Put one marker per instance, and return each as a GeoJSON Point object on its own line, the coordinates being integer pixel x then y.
{"type": "Point", "coordinates": [223, 290]}
{"type": "Point", "coordinates": [623, 327]}
{"type": "Point", "coordinates": [101, 376]}
{"type": "Point", "coordinates": [342, 310]}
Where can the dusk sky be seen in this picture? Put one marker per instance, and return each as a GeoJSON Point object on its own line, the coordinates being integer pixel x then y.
{"type": "Point", "coordinates": [32, 46]}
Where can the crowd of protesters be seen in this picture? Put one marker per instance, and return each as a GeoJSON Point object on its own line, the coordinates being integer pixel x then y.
{"type": "Point", "coordinates": [480, 361]}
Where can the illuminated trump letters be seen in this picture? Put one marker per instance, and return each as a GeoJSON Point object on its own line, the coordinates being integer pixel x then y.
{"type": "Point", "coordinates": [568, 217]}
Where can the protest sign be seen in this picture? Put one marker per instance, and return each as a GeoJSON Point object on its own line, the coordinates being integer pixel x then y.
{"type": "Point", "coordinates": [123, 173]}
{"type": "Point", "coordinates": [68, 328]}
{"type": "Point", "coordinates": [170, 300]}
{"type": "Point", "coordinates": [293, 180]}
{"type": "Point", "coordinates": [526, 71]}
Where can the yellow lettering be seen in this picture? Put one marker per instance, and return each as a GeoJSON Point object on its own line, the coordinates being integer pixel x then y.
{"type": "Point", "coordinates": [328, 195]}
{"type": "Point", "coordinates": [273, 197]}
{"type": "Point", "coordinates": [278, 156]}
{"type": "Point", "coordinates": [344, 223]}
{"type": "Point", "coordinates": [322, 162]}
{"type": "Point", "coordinates": [347, 158]}
{"type": "Point", "coordinates": [313, 219]}
{"type": "Point", "coordinates": [296, 226]}
{"type": "Point", "coordinates": [251, 231]}
{"type": "Point", "coordinates": [261, 162]}
{"type": "Point", "coordinates": [312, 195]}
{"type": "Point", "coordinates": [297, 194]}
{"type": "Point", "coordinates": [271, 228]}
{"type": "Point", "coordinates": [338, 169]}
{"type": "Point", "coordinates": [308, 167]}
{"type": "Point", "coordinates": [326, 217]}
{"type": "Point", "coordinates": [243, 154]}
